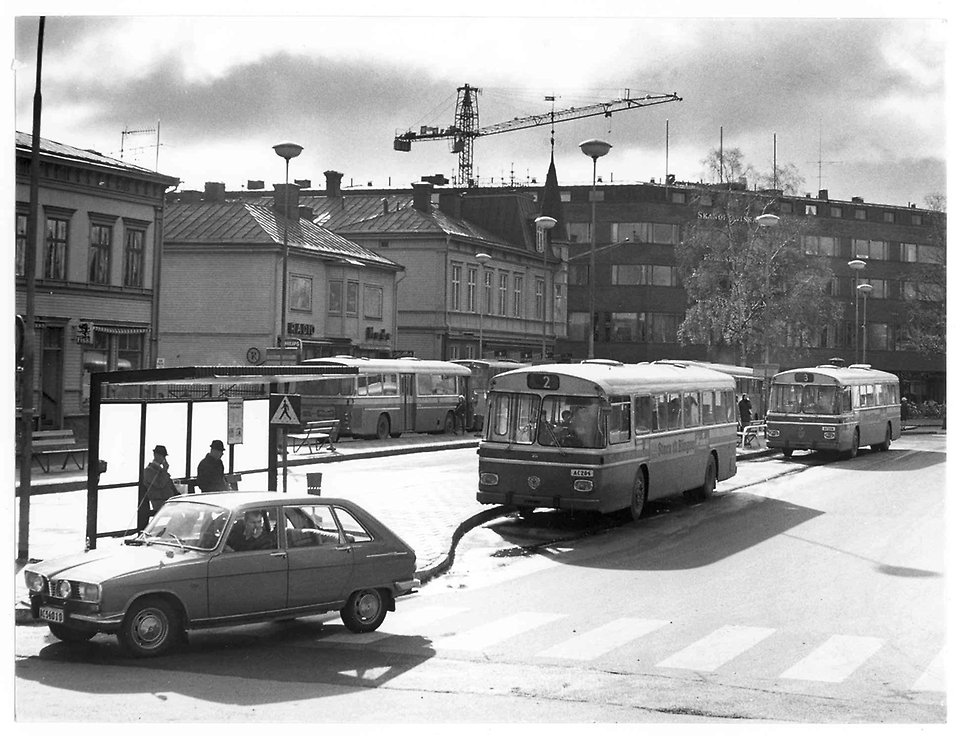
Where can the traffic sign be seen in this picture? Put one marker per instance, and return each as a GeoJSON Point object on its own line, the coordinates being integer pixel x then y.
{"type": "Point", "coordinates": [285, 410]}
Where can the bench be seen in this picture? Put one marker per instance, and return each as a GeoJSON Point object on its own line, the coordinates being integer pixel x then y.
{"type": "Point", "coordinates": [748, 435]}
{"type": "Point", "coordinates": [50, 443]}
{"type": "Point", "coordinates": [323, 432]}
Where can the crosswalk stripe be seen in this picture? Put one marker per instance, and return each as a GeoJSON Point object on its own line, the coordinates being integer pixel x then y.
{"type": "Point", "coordinates": [603, 639]}
{"type": "Point", "coordinates": [481, 637]}
{"type": "Point", "coordinates": [932, 677]}
{"type": "Point", "coordinates": [413, 621]}
{"type": "Point", "coordinates": [716, 648]}
{"type": "Point", "coordinates": [834, 660]}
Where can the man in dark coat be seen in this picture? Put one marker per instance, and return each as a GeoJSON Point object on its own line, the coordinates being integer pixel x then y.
{"type": "Point", "coordinates": [746, 410]}
{"type": "Point", "coordinates": [210, 470]}
{"type": "Point", "coordinates": [157, 484]}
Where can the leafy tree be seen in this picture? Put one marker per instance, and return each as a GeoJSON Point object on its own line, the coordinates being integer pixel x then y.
{"type": "Point", "coordinates": [925, 325]}
{"type": "Point", "coordinates": [750, 286]}
{"type": "Point", "coordinates": [733, 168]}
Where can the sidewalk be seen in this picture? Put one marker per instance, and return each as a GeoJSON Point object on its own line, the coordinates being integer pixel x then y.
{"type": "Point", "coordinates": [431, 523]}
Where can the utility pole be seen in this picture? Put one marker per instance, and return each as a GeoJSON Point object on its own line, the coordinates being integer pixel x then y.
{"type": "Point", "coordinates": [30, 272]}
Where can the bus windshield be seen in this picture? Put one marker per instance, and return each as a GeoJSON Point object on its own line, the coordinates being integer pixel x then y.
{"type": "Point", "coordinates": [806, 398]}
{"type": "Point", "coordinates": [564, 421]}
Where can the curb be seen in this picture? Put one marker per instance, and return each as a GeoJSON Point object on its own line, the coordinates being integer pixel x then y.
{"type": "Point", "coordinates": [481, 517]}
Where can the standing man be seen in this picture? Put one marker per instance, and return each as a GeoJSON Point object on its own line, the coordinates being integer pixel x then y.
{"type": "Point", "coordinates": [210, 470]}
{"type": "Point", "coordinates": [157, 485]}
{"type": "Point", "coordinates": [746, 411]}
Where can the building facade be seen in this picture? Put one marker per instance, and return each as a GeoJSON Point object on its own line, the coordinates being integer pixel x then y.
{"type": "Point", "coordinates": [97, 250]}
{"type": "Point", "coordinates": [222, 284]}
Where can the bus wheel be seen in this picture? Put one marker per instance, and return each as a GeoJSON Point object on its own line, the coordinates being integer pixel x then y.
{"type": "Point", "coordinates": [449, 425]}
{"type": "Point", "coordinates": [638, 495]}
{"type": "Point", "coordinates": [854, 447]}
{"type": "Point", "coordinates": [883, 446]}
{"type": "Point", "coordinates": [709, 480]}
{"type": "Point", "coordinates": [787, 452]}
{"type": "Point", "coordinates": [383, 427]}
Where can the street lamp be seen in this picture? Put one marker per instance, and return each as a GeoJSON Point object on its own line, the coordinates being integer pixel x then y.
{"type": "Point", "coordinates": [286, 151]}
{"type": "Point", "coordinates": [864, 289]}
{"type": "Point", "coordinates": [483, 258]}
{"type": "Point", "coordinates": [544, 224]}
{"type": "Point", "coordinates": [857, 265]}
{"type": "Point", "coordinates": [594, 148]}
{"type": "Point", "coordinates": [766, 220]}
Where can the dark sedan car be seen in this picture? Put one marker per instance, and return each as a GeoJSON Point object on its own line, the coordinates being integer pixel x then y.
{"type": "Point", "coordinates": [216, 559]}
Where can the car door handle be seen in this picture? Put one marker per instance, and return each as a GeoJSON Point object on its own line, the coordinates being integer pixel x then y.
{"type": "Point", "coordinates": [281, 553]}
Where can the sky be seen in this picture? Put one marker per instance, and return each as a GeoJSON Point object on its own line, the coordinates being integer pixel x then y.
{"type": "Point", "coordinates": [856, 104]}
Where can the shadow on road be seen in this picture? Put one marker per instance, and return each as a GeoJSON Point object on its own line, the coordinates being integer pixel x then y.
{"type": "Point", "coordinates": [894, 460]}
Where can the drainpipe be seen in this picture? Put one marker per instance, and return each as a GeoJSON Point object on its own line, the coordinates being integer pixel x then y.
{"type": "Point", "coordinates": [154, 349]}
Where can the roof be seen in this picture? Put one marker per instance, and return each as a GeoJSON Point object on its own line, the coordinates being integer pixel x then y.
{"type": "Point", "coordinates": [237, 223]}
{"type": "Point", "coordinates": [622, 378]}
{"type": "Point", "coordinates": [53, 149]}
{"type": "Point", "coordinates": [852, 374]}
{"type": "Point", "coordinates": [400, 365]}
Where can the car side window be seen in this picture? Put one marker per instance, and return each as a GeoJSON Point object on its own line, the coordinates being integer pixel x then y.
{"type": "Point", "coordinates": [353, 529]}
{"type": "Point", "coordinates": [253, 530]}
{"type": "Point", "coordinates": [310, 526]}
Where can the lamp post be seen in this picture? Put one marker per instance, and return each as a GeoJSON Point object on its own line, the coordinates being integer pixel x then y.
{"type": "Point", "coordinates": [483, 258]}
{"type": "Point", "coordinates": [544, 225]}
{"type": "Point", "coordinates": [767, 220]}
{"type": "Point", "coordinates": [864, 289]}
{"type": "Point", "coordinates": [857, 265]}
{"type": "Point", "coordinates": [594, 148]}
{"type": "Point", "coordinates": [286, 151]}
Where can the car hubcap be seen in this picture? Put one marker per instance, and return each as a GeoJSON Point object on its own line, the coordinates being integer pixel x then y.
{"type": "Point", "coordinates": [367, 606]}
{"type": "Point", "coordinates": [149, 628]}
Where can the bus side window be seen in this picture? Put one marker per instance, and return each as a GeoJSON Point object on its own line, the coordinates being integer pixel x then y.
{"type": "Point", "coordinates": [618, 421]}
{"type": "Point", "coordinates": [706, 407]}
{"type": "Point", "coordinates": [645, 419]}
{"type": "Point", "coordinates": [691, 410]}
{"type": "Point", "coordinates": [662, 413]}
{"type": "Point", "coordinates": [846, 399]}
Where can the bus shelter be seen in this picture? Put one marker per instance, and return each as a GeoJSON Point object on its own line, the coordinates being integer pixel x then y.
{"type": "Point", "coordinates": [183, 409]}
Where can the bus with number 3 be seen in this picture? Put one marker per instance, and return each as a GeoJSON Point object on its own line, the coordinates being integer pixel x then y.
{"type": "Point", "coordinates": [833, 408]}
{"type": "Point", "coordinates": [604, 436]}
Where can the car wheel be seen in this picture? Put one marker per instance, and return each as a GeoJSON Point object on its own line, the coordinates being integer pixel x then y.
{"type": "Point", "coordinates": [365, 610]}
{"type": "Point", "coordinates": [150, 628]}
{"type": "Point", "coordinates": [709, 481]}
{"type": "Point", "coordinates": [70, 635]}
{"type": "Point", "coordinates": [449, 424]}
{"type": "Point", "coordinates": [383, 427]}
{"type": "Point", "coordinates": [638, 495]}
{"type": "Point", "coordinates": [787, 453]}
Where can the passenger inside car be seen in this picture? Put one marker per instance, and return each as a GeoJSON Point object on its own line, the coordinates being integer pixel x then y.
{"type": "Point", "coordinates": [252, 532]}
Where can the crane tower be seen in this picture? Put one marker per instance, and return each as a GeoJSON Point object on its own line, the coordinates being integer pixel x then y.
{"type": "Point", "coordinates": [466, 124]}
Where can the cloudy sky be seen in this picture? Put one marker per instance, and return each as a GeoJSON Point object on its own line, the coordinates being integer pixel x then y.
{"type": "Point", "coordinates": [864, 97]}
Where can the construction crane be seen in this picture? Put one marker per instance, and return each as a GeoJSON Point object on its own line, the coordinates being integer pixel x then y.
{"type": "Point", "coordinates": [466, 124]}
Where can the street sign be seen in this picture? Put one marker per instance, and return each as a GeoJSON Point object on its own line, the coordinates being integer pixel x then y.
{"type": "Point", "coordinates": [234, 420]}
{"type": "Point", "coordinates": [285, 410]}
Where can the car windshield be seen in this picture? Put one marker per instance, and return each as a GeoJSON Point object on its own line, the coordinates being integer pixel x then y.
{"type": "Point", "coordinates": [193, 525]}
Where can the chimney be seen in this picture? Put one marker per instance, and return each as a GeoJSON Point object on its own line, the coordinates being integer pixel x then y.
{"type": "Point", "coordinates": [822, 194]}
{"type": "Point", "coordinates": [858, 200]}
{"type": "Point", "coordinates": [451, 204]}
{"type": "Point", "coordinates": [214, 191]}
{"type": "Point", "coordinates": [333, 183]}
{"type": "Point", "coordinates": [422, 192]}
{"type": "Point", "coordinates": [190, 196]}
{"type": "Point", "coordinates": [286, 200]}
{"type": "Point", "coordinates": [305, 212]}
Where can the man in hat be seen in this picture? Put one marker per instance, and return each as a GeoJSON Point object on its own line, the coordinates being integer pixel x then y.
{"type": "Point", "coordinates": [210, 470]}
{"type": "Point", "coordinates": [157, 484]}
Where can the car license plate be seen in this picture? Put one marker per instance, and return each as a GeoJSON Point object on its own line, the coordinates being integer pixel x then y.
{"type": "Point", "coordinates": [54, 615]}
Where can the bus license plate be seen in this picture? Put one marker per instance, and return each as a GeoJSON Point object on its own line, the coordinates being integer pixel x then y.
{"type": "Point", "coordinates": [53, 615]}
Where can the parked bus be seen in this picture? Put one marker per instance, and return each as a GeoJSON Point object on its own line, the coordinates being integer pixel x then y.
{"type": "Point", "coordinates": [747, 382]}
{"type": "Point", "coordinates": [833, 408]}
{"type": "Point", "coordinates": [482, 371]}
{"type": "Point", "coordinates": [604, 436]}
{"type": "Point", "coordinates": [388, 396]}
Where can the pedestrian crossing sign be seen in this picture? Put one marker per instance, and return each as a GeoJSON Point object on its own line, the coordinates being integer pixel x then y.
{"type": "Point", "coordinates": [285, 410]}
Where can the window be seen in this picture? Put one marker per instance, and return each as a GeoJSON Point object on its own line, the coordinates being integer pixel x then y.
{"type": "Point", "coordinates": [786, 208]}
{"type": "Point", "coordinates": [578, 232]}
{"type": "Point", "coordinates": [471, 290]}
{"type": "Point", "coordinates": [908, 252]}
{"type": "Point", "coordinates": [859, 214]}
{"type": "Point", "coordinates": [678, 198]}
{"type": "Point", "coordinates": [434, 384]}
{"type": "Point", "coordinates": [372, 301]}
{"type": "Point", "coordinates": [878, 336]}
{"type": "Point", "coordinates": [540, 305]}
{"type": "Point", "coordinates": [21, 244]}
{"type": "Point", "coordinates": [130, 349]}
{"type": "Point", "coordinates": [820, 245]}
{"type": "Point", "coordinates": [580, 274]}
{"type": "Point", "coordinates": [916, 220]}
{"type": "Point", "coordinates": [618, 421]}
{"type": "Point", "coordinates": [873, 249]}
{"type": "Point", "coordinates": [101, 238]}
{"type": "Point", "coordinates": [456, 274]}
{"type": "Point", "coordinates": [254, 530]}
{"type": "Point", "coordinates": [502, 295]}
{"type": "Point", "coordinates": [691, 409]}
{"type": "Point", "coordinates": [353, 297]}
{"type": "Point", "coordinates": [708, 409]}
{"type": "Point", "coordinates": [623, 327]}
{"type": "Point", "coordinates": [577, 325]}
{"type": "Point", "coordinates": [335, 301]}
{"type": "Point", "coordinates": [836, 211]}
{"type": "Point", "coordinates": [55, 258]}
{"type": "Point", "coordinates": [879, 288]}
{"type": "Point", "coordinates": [810, 209]}
{"type": "Point", "coordinates": [518, 296]}
{"type": "Point", "coordinates": [645, 416]}
{"type": "Point", "coordinates": [352, 528]}
{"type": "Point", "coordinates": [643, 275]}
{"type": "Point", "coordinates": [487, 291]}
{"type": "Point", "coordinates": [310, 526]}
{"type": "Point", "coordinates": [301, 293]}
{"type": "Point", "coordinates": [930, 254]}
{"type": "Point", "coordinates": [133, 257]}
{"type": "Point", "coordinates": [564, 196]}
{"type": "Point", "coordinates": [663, 327]}
{"type": "Point", "coordinates": [888, 216]}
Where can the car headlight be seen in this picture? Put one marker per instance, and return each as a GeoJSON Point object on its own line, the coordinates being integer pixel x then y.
{"type": "Point", "coordinates": [34, 580]}
{"type": "Point", "coordinates": [64, 589]}
{"type": "Point", "coordinates": [89, 592]}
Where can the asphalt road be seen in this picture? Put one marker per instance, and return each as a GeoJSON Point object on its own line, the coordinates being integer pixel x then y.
{"type": "Point", "coordinates": [806, 591]}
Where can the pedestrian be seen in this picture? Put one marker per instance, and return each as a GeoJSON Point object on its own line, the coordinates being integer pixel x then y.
{"type": "Point", "coordinates": [746, 411]}
{"type": "Point", "coordinates": [210, 470]}
{"type": "Point", "coordinates": [157, 485]}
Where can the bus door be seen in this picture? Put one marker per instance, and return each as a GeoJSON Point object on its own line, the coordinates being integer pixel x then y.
{"type": "Point", "coordinates": [408, 402]}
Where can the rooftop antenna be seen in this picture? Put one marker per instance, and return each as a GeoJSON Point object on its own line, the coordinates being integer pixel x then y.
{"type": "Point", "coordinates": [820, 162]}
{"type": "Point", "coordinates": [156, 146]}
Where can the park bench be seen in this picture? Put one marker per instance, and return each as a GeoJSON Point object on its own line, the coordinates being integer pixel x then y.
{"type": "Point", "coordinates": [323, 432]}
{"type": "Point", "coordinates": [749, 433]}
{"type": "Point", "coordinates": [54, 443]}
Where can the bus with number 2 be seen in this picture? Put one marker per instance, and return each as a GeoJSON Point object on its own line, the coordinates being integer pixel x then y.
{"type": "Point", "coordinates": [833, 408]}
{"type": "Point", "coordinates": [604, 436]}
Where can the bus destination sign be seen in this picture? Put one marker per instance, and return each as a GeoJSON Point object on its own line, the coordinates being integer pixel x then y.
{"type": "Point", "coordinates": [543, 381]}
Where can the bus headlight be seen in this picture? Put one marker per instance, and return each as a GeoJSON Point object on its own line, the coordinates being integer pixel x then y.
{"type": "Point", "coordinates": [489, 479]}
{"type": "Point", "coordinates": [773, 432]}
{"type": "Point", "coordinates": [829, 433]}
{"type": "Point", "coordinates": [583, 486]}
